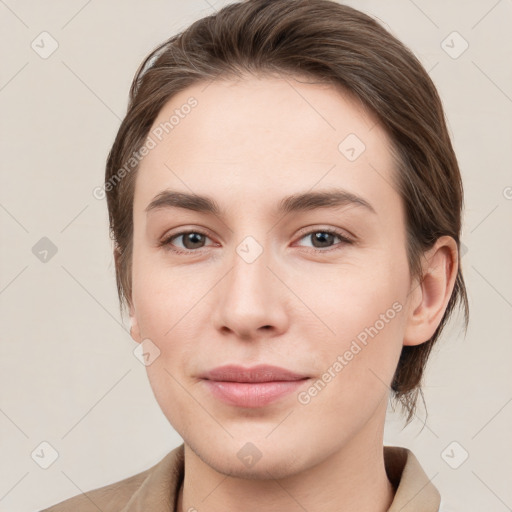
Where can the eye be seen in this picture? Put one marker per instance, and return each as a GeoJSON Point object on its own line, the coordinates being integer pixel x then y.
{"type": "Point", "coordinates": [191, 241]}
{"type": "Point", "coordinates": [324, 237]}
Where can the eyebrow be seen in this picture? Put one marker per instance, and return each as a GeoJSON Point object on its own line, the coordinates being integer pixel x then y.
{"type": "Point", "coordinates": [292, 204]}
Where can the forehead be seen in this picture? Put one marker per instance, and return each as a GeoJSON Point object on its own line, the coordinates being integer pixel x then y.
{"type": "Point", "coordinates": [264, 137]}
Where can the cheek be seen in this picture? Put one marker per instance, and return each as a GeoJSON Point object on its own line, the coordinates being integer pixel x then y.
{"type": "Point", "coordinates": [357, 367]}
{"type": "Point", "coordinates": [348, 299]}
{"type": "Point", "coordinates": [362, 331]}
{"type": "Point", "coordinates": [162, 294]}
{"type": "Point", "coordinates": [164, 302]}
{"type": "Point", "coordinates": [168, 302]}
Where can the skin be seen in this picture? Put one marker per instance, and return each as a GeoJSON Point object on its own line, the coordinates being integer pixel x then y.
{"type": "Point", "coordinates": [247, 144]}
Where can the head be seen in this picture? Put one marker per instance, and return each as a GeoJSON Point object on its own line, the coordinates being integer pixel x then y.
{"type": "Point", "coordinates": [245, 111]}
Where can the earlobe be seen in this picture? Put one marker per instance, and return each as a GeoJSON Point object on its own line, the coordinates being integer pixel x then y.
{"type": "Point", "coordinates": [430, 298]}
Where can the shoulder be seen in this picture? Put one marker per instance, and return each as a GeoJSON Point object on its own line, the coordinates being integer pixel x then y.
{"type": "Point", "coordinates": [114, 497]}
{"type": "Point", "coordinates": [111, 497]}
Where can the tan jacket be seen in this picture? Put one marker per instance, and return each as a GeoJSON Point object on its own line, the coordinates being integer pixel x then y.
{"type": "Point", "coordinates": [156, 488]}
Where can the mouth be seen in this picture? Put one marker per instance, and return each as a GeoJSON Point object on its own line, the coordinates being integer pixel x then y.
{"type": "Point", "coordinates": [251, 387]}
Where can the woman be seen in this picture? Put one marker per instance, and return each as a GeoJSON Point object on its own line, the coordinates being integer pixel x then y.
{"type": "Point", "coordinates": [286, 206]}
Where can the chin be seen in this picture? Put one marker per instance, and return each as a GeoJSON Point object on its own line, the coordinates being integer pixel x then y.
{"type": "Point", "coordinates": [258, 460]}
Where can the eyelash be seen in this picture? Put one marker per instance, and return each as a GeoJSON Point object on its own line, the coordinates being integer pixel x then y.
{"type": "Point", "coordinates": [166, 242]}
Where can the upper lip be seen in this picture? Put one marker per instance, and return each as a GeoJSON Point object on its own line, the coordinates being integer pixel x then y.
{"type": "Point", "coordinates": [259, 373]}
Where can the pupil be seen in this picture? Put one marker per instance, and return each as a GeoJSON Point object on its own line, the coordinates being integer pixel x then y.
{"type": "Point", "coordinates": [323, 237]}
{"type": "Point", "coordinates": [193, 238]}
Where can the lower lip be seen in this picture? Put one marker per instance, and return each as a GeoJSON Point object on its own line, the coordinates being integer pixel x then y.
{"type": "Point", "coordinates": [257, 394]}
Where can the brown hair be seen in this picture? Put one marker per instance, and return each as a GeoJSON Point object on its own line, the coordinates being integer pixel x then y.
{"type": "Point", "coordinates": [330, 43]}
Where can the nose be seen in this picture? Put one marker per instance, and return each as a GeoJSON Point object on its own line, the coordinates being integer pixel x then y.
{"type": "Point", "coordinates": [252, 301]}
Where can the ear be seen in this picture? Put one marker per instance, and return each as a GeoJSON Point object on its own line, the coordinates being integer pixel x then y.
{"type": "Point", "coordinates": [430, 296]}
{"type": "Point", "coordinates": [134, 329]}
{"type": "Point", "coordinates": [134, 326]}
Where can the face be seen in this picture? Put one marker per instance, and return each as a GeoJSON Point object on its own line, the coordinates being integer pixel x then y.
{"type": "Point", "coordinates": [317, 285]}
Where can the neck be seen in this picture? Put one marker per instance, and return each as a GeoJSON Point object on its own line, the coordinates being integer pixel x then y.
{"type": "Point", "coordinates": [351, 478]}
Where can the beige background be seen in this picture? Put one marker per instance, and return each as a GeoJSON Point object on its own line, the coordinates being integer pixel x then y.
{"type": "Point", "coordinates": [68, 375]}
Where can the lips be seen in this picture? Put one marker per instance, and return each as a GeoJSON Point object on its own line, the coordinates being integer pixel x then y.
{"type": "Point", "coordinates": [251, 387]}
{"type": "Point", "coordinates": [260, 373]}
